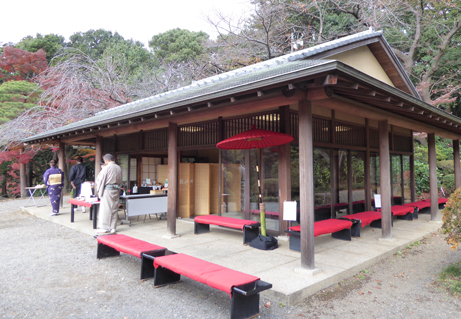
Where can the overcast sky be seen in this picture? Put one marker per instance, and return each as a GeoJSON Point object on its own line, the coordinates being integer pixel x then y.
{"type": "Point", "coordinates": [132, 19]}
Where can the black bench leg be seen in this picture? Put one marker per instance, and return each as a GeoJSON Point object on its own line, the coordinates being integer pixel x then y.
{"type": "Point", "coordinates": [408, 216]}
{"type": "Point", "coordinates": [249, 233]}
{"type": "Point", "coordinates": [344, 234]}
{"type": "Point", "coordinates": [165, 276]}
{"type": "Point", "coordinates": [201, 228]}
{"type": "Point", "coordinates": [72, 206]}
{"type": "Point", "coordinates": [244, 306]}
{"type": "Point", "coordinates": [147, 262]}
{"type": "Point", "coordinates": [106, 251]}
{"type": "Point", "coordinates": [295, 241]}
{"type": "Point", "coordinates": [355, 229]}
{"type": "Point", "coordinates": [415, 213]}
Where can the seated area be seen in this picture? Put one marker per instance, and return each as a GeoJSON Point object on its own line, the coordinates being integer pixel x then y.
{"type": "Point", "coordinates": [250, 228]}
{"type": "Point", "coordinates": [244, 289]}
{"type": "Point", "coordinates": [372, 218]}
{"type": "Point", "coordinates": [113, 245]}
{"type": "Point", "coordinates": [338, 228]}
{"type": "Point", "coordinates": [441, 201]}
{"type": "Point", "coordinates": [420, 207]}
{"type": "Point", "coordinates": [74, 203]}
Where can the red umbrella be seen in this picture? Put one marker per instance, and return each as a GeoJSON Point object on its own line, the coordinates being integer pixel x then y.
{"type": "Point", "coordinates": [255, 138]}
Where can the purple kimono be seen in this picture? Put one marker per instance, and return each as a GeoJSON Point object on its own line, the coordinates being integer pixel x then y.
{"type": "Point", "coordinates": [54, 190]}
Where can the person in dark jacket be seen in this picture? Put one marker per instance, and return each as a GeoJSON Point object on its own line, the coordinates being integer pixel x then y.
{"type": "Point", "coordinates": [77, 176]}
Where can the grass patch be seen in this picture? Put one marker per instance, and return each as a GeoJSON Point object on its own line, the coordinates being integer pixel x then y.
{"type": "Point", "coordinates": [450, 278]}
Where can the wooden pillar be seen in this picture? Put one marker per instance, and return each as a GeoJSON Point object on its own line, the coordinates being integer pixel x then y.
{"type": "Point", "coordinates": [456, 163]}
{"type": "Point", "coordinates": [412, 171]}
{"type": "Point", "coordinates": [433, 176]}
{"type": "Point", "coordinates": [367, 171]}
{"type": "Point", "coordinates": [306, 184]}
{"type": "Point", "coordinates": [247, 192]}
{"type": "Point", "coordinates": [391, 178]}
{"type": "Point", "coordinates": [402, 181]}
{"type": "Point", "coordinates": [385, 183]}
{"type": "Point", "coordinates": [61, 163]}
{"type": "Point", "coordinates": [284, 167]}
{"type": "Point", "coordinates": [98, 156]}
{"type": "Point", "coordinates": [350, 198]}
{"type": "Point", "coordinates": [220, 178]}
{"type": "Point", "coordinates": [172, 178]}
{"type": "Point", "coordinates": [22, 176]}
{"type": "Point", "coordinates": [334, 171]}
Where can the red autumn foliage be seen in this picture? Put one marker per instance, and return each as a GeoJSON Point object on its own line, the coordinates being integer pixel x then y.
{"type": "Point", "coordinates": [17, 64]}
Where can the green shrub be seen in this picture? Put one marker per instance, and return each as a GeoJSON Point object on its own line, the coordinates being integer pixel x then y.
{"type": "Point", "coordinates": [448, 184]}
{"type": "Point", "coordinates": [452, 219]}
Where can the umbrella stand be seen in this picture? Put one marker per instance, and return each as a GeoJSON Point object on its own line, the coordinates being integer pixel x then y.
{"type": "Point", "coordinates": [262, 208]}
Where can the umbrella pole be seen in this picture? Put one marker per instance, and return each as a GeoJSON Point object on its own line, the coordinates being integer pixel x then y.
{"type": "Point", "coordinates": [262, 209]}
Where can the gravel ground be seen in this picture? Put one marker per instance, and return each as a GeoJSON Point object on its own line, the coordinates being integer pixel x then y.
{"type": "Point", "coordinates": [50, 271]}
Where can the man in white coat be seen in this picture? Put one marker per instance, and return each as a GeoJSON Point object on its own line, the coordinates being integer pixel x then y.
{"type": "Point", "coordinates": [108, 189]}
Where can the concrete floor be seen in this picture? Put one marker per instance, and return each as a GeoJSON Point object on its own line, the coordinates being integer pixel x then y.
{"type": "Point", "coordinates": [335, 259]}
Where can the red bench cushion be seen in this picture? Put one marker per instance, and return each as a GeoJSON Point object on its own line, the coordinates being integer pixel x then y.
{"type": "Point", "coordinates": [365, 217]}
{"type": "Point", "coordinates": [224, 221]}
{"type": "Point", "coordinates": [421, 204]}
{"type": "Point", "coordinates": [213, 275]}
{"type": "Point", "coordinates": [127, 245]}
{"type": "Point", "coordinates": [327, 226]}
{"type": "Point", "coordinates": [79, 202]}
{"type": "Point", "coordinates": [401, 210]}
{"type": "Point", "coordinates": [441, 200]}
{"type": "Point", "coordinates": [257, 212]}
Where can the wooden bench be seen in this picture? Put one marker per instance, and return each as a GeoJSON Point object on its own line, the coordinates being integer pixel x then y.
{"type": "Point", "coordinates": [338, 228]}
{"type": "Point", "coordinates": [93, 209]}
{"type": "Point", "coordinates": [250, 228]}
{"type": "Point", "coordinates": [113, 245]}
{"type": "Point", "coordinates": [372, 218]}
{"type": "Point", "coordinates": [244, 289]}
{"type": "Point", "coordinates": [441, 201]}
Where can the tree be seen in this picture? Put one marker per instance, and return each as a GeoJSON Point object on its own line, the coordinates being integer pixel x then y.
{"type": "Point", "coordinates": [16, 97]}
{"type": "Point", "coordinates": [94, 42]}
{"type": "Point", "coordinates": [17, 64]}
{"type": "Point", "coordinates": [50, 43]}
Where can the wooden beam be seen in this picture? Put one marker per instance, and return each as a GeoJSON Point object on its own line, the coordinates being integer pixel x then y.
{"type": "Point", "coordinates": [306, 187]}
{"type": "Point", "coordinates": [434, 189]}
{"type": "Point", "coordinates": [172, 178]}
{"type": "Point", "coordinates": [98, 157]}
{"type": "Point", "coordinates": [456, 162]}
{"type": "Point", "coordinates": [384, 182]}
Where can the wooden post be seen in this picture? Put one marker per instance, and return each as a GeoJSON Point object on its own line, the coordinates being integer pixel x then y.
{"type": "Point", "coordinates": [98, 156]}
{"type": "Point", "coordinates": [350, 197]}
{"type": "Point", "coordinates": [385, 183]}
{"type": "Point", "coordinates": [247, 190]}
{"type": "Point", "coordinates": [172, 178]}
{"type": "Point", "coordinates": [61, 163]}
{"type": "Point", "coordinates": [334, 171]}
{"type": "Point", "coordinates": [220, 170]}
{"type": "Point", "coordinates": [22, 176]}
{"type": "Point", "coordinates": [412, 170]}
{"type": "Point", "coordinates": [284, 167]}
{"type": "Point", "coordinates": [367, 172]}
{"type": "Point", "coordinates": [306, 185]}
{"type": "Point", "coordinates": [456, 163]}
{"type": "Point", "coordinates": [402, 181]}
{"type": "Point", "coordinates": [433, 176]}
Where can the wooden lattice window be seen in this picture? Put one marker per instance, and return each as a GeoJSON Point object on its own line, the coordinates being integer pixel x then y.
{"type": "Point", "coordinates": [294, 122]}
{"type": "Point", "coordinates": [403, 143]}
{"type": "Point", "coordinates": [321, 130]}
{"type": "Point", "coordinates": [349, 134]}
{"type": "Point", "coordinates": [269, 121]}
{"type": "Point", "coordinates": [157, 139]}
{"type": "Point", "coordinates": [198, 134]}
{"type": "Point", "coordinates": [374, 138]}
{"type": "Point", "coordinates": [128, 142]}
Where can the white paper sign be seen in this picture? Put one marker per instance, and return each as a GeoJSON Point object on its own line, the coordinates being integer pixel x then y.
{"type": "Point", "coordinates": [289, 210]}
{"type": "Point", "coordinates": [377, 200]}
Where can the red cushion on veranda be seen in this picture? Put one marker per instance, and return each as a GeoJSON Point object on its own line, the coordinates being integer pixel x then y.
{"type": "Point", "coordinates": [127, 245]}
{"type": "Point", "coordinates": [224, 221]}
{"type": "Point", "coordinates": [421, 204]}
{"type": "Point", "coordinates": [365, 217]}
{"type": "Point", "coordinates": [441, 200]}
{"type": "Point", "coordinates": [213, 275]}
{"type": "Point", "coordinates": [401, 210]}
{"type": "Point", "coordinates": [79, 202]}
{"type": "Point", "coordinates": [327, 226]}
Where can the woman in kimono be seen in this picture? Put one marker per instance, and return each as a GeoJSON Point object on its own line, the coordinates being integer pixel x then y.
{"type": "Point", "coordinates": [54, 180]}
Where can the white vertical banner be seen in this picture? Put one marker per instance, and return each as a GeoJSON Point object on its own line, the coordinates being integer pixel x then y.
{"type": "Point", "coordinates": [290, 210]}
